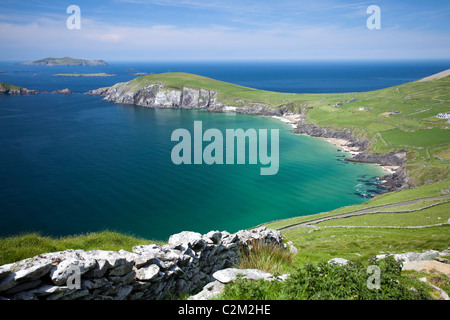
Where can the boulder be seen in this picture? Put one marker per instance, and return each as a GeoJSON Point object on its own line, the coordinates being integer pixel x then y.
{"type": "Point", "coordinates": [231, 274]}
{"type": "Point", "coordinates": [184, 239]}
{"type": "Point", "coordinates": [427, 266]}
{"type": "Point", "coordinates": [147, 273]}
{"type": "Point", "coordinates": [338, 261]}
{"type": "Point", "coordinates": [209, 291]}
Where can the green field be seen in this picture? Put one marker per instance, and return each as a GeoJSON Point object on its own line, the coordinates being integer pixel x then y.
{"type": "Point", "coordinates": [420, 138]}
{"type": "Point", "coordinates": [7, 86]}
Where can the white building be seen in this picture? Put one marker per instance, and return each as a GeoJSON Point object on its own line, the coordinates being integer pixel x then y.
{"type": "Point", "coordinates": [443, 116]}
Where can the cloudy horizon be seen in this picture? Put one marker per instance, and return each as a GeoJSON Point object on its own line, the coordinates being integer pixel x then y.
{"type": "Point", "coordinates": [226, 30]}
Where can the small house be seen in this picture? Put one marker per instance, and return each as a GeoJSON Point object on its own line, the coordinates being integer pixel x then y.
{"type": "Point", "coordinates": [443, 116]}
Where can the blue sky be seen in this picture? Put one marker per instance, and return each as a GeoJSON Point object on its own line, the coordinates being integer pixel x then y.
{"type": "Point", "coordinates": [226, 29]}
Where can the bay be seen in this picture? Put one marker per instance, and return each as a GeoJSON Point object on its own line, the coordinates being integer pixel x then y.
{"type": "Point", "coordinates": [77, 164]}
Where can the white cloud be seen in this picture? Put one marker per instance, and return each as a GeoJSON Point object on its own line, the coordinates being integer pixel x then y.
{"type": "Point", "coordinates": [50, 37]}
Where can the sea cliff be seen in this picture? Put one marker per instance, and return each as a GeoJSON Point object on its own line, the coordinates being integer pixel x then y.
{"type": "Point", "coordinates": [157, 95]}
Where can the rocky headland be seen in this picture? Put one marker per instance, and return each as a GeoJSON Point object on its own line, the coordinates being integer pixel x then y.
{"type": "Point", "coordinates": [17, 92]}
{"type": "Point", "coordinates": [156, 95]}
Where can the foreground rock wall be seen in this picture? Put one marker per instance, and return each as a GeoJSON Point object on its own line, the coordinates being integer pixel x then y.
{"type": "Point", "coordinates": [151, 272]}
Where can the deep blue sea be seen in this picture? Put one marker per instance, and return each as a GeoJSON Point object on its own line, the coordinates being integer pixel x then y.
{"type": "Point", "coordinates": [76, 164]}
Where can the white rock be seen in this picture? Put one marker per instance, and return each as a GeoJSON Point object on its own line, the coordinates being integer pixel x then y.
{"type": "Point", "coordinates": [230, 274]}
{"type": "Point", "coordinates": [338, 261]}
{"type": "Point", "coordinates": [72, 261]}
{"type": "Point", "coordinates": [184, 239]}
{"type": "Point", "coordinates": [147, 273]}
{"type": "Point", "coordinates": [209, 291]}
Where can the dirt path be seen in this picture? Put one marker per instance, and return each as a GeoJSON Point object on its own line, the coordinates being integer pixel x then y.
{"type": "Point", "coordinates": [436, 76]}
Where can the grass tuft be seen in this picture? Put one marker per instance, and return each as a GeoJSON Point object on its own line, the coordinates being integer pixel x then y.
{"type": "Point", "coordinates": [268, 258]}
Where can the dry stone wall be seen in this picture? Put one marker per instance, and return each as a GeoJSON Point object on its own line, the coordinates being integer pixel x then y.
{"type": "Point", "coordinates": [149, 272]}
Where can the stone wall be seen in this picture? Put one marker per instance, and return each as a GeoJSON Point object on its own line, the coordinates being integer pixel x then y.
{"type": "Point", "coordinates": [149, 272]}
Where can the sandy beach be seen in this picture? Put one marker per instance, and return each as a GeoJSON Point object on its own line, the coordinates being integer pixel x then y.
{"type": "Point", "coordinates": [292, 119]}
{"type": "Point", "coordinates": [343, 144]}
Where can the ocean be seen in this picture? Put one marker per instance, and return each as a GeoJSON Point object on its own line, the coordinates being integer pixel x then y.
{"type": "Point", "coordinates": [76, 164]}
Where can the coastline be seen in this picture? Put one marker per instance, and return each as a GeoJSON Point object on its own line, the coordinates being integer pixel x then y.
{"type": "Point", "coordinates": [153, 96]}
{"type": "Point", "coordinates": [392, 170]}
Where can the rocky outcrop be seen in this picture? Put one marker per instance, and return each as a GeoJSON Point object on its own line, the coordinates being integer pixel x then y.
{"type": "Point", "coordinates": [8, 89]}
{"type": "Point", "coordinates": [149, 272]}
{"type": "Point", "coordinates": [325, 132]}
{"type": "Point", "coordinates": [155, 95]}
{"type": "Point", "coordinates": [17, 92]}
{"type": "Point", "coordinates": [390, 159]}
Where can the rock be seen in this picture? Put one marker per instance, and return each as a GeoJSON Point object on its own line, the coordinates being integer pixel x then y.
{"type": "Point", "coordinates": [114, 259]}
{"type": "Point", "coordinates": [209, 291]}
{"type": "Point", "coordinates": [65, 91]}
{"type": "Point", "coordinates": [292, 248]}
{"type": "Point", "coordinates": [123, 292]}
{"type": "Point", "coordinates": [5, 270]}
{"type": "Point", "coordinates": [338, 261]}
{"type": "Point", "coordinates": [26, 270]}
{"type": "Point", "coordinates": [184, 239]}
{"type": "Point", "coordinates": [147, 273]}
{"type": "Point", "coordinates": [427, 265]}
{"type": "Point", "coordinates": [121, 270]}
{"type": "Point", "coordinates": [230, 274]}
{"type": "Point", "coordinates": [99, 269]}
{"type": "Point", "coordinates": [146, 254]}
{"type": "Point", "coordinates": [71, 261]}
{"type": "Point", "coordinates": [24, 286]}
{"type": "Point", "coordinates": [442, 260]}
{"type": "Point", "coordinates": [429, 255]}
{"type": "Point", "coordinates": [413, 256]}
{"type": "Point", "coordinates": [213, 236]}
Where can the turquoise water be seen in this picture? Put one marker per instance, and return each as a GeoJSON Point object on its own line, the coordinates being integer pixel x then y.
{"type": "Point", "coordinates": [75, 164]}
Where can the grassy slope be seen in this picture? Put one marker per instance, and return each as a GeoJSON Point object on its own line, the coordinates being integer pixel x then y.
{"type": "Point", "coordinates": [7, 86]}
{"type": "Point", "coordinates": [415, 129]}
{"type": "Point", "coordinates": [318, 243]}
{"type": "Point", "coordinates": [24, 246]}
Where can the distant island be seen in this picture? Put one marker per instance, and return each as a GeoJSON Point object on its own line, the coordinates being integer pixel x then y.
{"type": "Point", "coordinates": [66, 61]}
{"type": "Point", "coordinates": [13, 90]}
{"type": "Point", "coordinates": [10, 89]}
{"type": "Point", "coordinates": [101, 74]}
